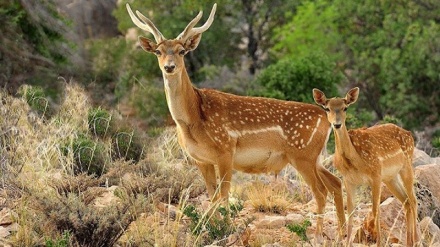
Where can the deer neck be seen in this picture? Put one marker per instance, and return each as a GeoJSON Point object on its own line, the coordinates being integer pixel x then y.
{"type": "Point", "coordinates": [182, 98]}
{"type": "Point", "coordinates": [343, 144]}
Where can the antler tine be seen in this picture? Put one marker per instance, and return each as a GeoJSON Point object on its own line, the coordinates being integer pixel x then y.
{"type": "Point", "coordinates": [190, 31]}
{"type": "Point", "coordinates": [151, 25]}
{"type": "Point", "coordinates": [190, 25]}
{"type": "Point", "coordinates": [146, 25]}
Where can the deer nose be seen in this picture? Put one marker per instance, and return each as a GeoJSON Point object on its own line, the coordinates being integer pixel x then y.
{"type": "Point", "coordinates": [169, 68]}
{"type": "Point", "coordinates": [337, 126]}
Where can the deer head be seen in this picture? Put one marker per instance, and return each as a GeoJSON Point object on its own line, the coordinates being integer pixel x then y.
{"type": "Point", "coordinates": [337, 107]}
{"type": "Point", "coordinates": [170, 53]}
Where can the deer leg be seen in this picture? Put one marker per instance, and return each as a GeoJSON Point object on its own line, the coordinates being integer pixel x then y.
{"type": "Point", "coordinates": [351, 190]}
{"type": "Point", "coordinates": [333, 184]}
{"type": "Point", "coordinates": [411, 206]}
{"type": "Point", "coordinates": [225, 173]}
{"type": "Point", "coordinates": [208, 173]}
{"type": "Point", "coordinates": [396, 187]}
{"type": "Point", "coordinates": [376, 190]}
{"type": "Point", "coordinates": [312, 178]}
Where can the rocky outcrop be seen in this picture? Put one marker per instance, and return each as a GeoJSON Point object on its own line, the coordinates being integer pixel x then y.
{"type": "Point", "coordinates": [91, 19]}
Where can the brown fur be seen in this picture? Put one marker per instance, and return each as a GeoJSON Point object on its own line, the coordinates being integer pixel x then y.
{"type": "Point", "coordinates": [250, 134]}
{"type": "Point", "coordinates": [382, 153]}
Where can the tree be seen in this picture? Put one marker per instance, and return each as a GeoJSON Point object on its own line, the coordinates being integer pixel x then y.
{"type": "Point", "coordinates": [257, 20]}
{"type": "Point", "coordinates": [392, 50]}
{"type": "Point", "coordinates": [312, 28]}
{"type": "Point", "coordinates": [293, 78]}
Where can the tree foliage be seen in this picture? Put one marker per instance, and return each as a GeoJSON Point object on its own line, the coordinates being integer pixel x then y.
{"type": "Point", "coordinates": [312, 28]}
{"type": "Point", "coordinates": [294, 78]}
{"type": "Point", "coordinates": [390, 49]}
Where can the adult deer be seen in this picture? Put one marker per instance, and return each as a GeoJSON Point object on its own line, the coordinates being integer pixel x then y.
{"type": "Point", "coordinates": [250, 134]}
{"type": "Point", "coordinates": [382, 153]}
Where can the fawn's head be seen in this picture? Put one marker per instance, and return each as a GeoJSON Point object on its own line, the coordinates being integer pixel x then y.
{"type": "Point", "coordinates": [336, 107]}
{"type": "Point", "coordinates": [170, 53]}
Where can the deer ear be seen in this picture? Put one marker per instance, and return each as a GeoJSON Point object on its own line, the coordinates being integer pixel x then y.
{"type": "Point", "coordinates": [192, 42]}
{"type": "Point", "coordinates": [352, 96]}
{"type": "Point", "coordinates": [319, 97]}
{"type": "Point", "coordinates": [147, 44]}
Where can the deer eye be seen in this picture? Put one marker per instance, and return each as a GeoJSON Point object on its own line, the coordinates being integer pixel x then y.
{"type": "Point", "coordinates": [326, 109]}
{"type": "Point", "coordinates": [182, 52]}
{"type": "Point", "coordinates": [345, 109]}
{"type": "Point", "coordinates": [157, 52]}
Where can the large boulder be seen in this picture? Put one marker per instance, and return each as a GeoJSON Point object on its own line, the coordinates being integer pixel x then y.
{"type": "Point", "coordinates": [421, 158]}
{"type": "Point", "coordinates": [428, 191]}
{"type": "Point", "coordinates": [429, 176]}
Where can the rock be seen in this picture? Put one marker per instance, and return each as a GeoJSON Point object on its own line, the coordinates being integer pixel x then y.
{"type": "Point", "coordinates": [271, 222]}
{"type": "Point", "coordinates": [107, 198]}
{"type": "Point", "coordinates": [428, 204]}
{"type": "Point", "coordinates": [429, 175]}
{"type": "Point", "coordinates": [294, 219]}
{"type": "Point", "coordinates": [430, 230]}
{"type": "Point", "coordinates": [6, 216]}
{"type": "Point", "coordinates": [392, 223]}
{"type": "Point", "coordinates": [428, 191]}
{"type": "Point", "coordinates": [421, 158]}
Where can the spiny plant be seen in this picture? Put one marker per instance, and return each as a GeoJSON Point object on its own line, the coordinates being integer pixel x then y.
{"type": "Point", "coordinates": [37, 100]}
{"type": "Point", "coordinates": [127, 145]}
{"type": "Point", "coordinates": [100, 121]}
{"type": "Point", "coordinates": [300, 229]}
{"type": "Point", "coordinates": [88, 155]}
{"type": "Point", "coordinates": [216, 227]}
{"type": "Point", "coordinates": [62, 241]}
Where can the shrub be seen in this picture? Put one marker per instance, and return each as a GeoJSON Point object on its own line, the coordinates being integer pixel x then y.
{"type": "Point", "coordinates": [300, 229]}
{"type": "Point", "coordinates": [37, 100]}
{"type": "Point", "coordinates": [436, 141]}
{"type": "Point", "coordinates": [88, 155]}
{"type": "Point", "coordinates": [75, 213]}
{"type": "Point", "coordinates": [100, 121]}
{"type": "Point", "coordinates": [216, 227]}
{"type": "Point", "coordinates": [63, 241]}
{"type": "Point", "coordinates": [391, 119]}
{"type": "Point", "coordinates": [294, 78]}
{"type": "Point", "coordinates": [126, 144]}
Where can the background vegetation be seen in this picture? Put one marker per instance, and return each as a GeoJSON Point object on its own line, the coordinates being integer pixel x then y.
{"type": "Point", "coordinates": [389, 49]}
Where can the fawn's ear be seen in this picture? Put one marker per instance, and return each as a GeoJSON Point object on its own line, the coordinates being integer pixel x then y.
{"type": "Point", "coordinates": [147, 44]}
{"type": "Point", "coordinates": [319, 97]}
{"type": "Point", "coordinates": [352, 96]}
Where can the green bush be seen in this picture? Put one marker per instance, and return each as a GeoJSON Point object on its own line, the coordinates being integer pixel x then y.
{"type": "Point", "coordinates": [126, 144]}
{"type": "Point", "coordinates": [294, 78]}
{"type": "Point", "coordinates": [436, 139]}
{"type": "Point", "coordinates": [36, 97]}
{"type": "Point", "coordinates": [63, 241]}
{"type": "Point", "coordinates": [100, 122]}
{"type": "Point", "coordinates": [216, 227]}
{"type": "Point", "coordinates": [300, 229]}
{"type": "Point", "coordinates": [391, 119]}
{"type": "Point", "coordinates": [88, 155]}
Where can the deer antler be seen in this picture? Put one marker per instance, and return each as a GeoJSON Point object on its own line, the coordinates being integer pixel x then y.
{"type": "Point", "coordinates": [145, 24]}
{"type": "Point", "coordinates": [191, 31]}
